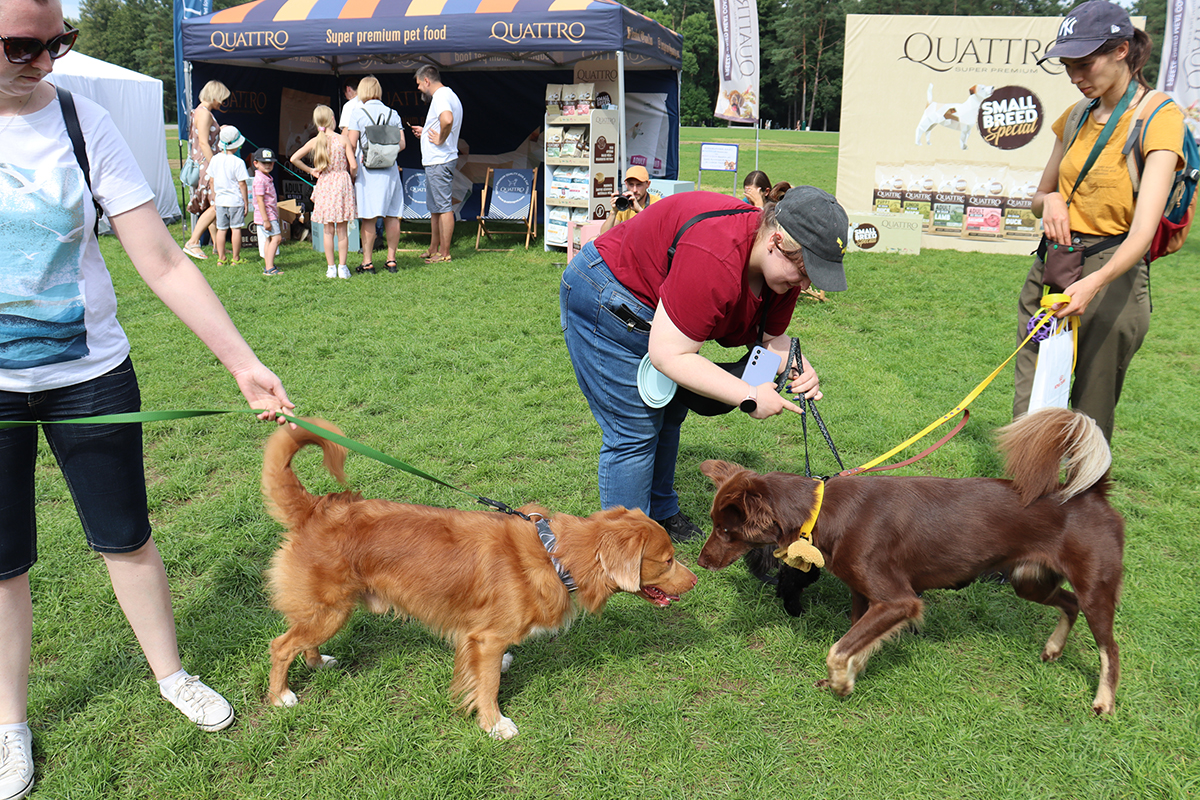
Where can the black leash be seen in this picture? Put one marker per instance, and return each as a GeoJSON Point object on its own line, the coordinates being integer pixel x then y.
{"type": "Point", "coordinates": [811, 405]}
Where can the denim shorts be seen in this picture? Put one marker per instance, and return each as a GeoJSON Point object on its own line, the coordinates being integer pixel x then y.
{"type": "Point", "coordinates": [269, 228]}
{"type": "Point", "coordinates": [102, 465]}
{"type": "Point", "coordinates": [230, 217]}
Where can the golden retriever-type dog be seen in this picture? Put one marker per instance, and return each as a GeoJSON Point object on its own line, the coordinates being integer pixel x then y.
{"type": "Point", "coordinates": [481, 579]}
{"type": "Point", "coordinates": [889, 539]}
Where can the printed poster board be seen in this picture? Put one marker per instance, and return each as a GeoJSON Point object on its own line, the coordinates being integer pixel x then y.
{"type": "Point", "coordinates": [949, 119]}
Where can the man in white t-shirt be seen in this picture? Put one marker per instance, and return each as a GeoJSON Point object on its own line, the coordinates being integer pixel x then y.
{"type": "Point", "coordinates": [350, 92]}
{"type": "Point", "coordinates": [439, 152]}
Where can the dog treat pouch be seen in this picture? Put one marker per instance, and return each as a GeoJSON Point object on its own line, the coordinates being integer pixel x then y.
{"type": "Point", "coordinates": [1063, 264]}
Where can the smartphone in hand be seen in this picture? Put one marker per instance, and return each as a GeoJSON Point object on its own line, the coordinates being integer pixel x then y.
{"type": "Point", "coordinates": [762, 366]}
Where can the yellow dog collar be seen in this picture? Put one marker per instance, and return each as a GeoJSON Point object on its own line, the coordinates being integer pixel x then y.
{"type": "Point", "coordinates": [801, 554]}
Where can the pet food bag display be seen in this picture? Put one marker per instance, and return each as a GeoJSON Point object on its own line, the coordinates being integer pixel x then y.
{"type": "Point", "coordinates": [581, 142]}
{"type": "Point", "coordinates": [917, 199]}
{"type": "Point", "coordinates": [569, 147]}
{"type": "Point", "coordinates": [583, 98]}
{"type": "Point", "coordinates": [556, 225]}
{"type": "Point", "coordinates": [554, 137]}
{"type": "Point", "coordinates": [1019, 221]}
{"type": "Point", "coordinates": [580, 186]}
{"type": "Point", "coordinates": [889, 189]}
{"type": "Point", "coordinates": [553, 98]}
{"type": "Point", "coordinates": [569, 93]}
{"type": "Point", "coordinates": [984, 213]}
{"type": "Point", "coordinates": [560, 183]}
{"type": "Point", "coordinates": [949, 199]}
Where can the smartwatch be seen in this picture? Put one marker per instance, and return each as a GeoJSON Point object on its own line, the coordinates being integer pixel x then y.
{"type": "Point", "coordinates": [750, 404]}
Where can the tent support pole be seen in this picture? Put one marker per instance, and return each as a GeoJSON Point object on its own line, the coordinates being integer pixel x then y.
{"type": "Point", "coordinates": [621, 166]}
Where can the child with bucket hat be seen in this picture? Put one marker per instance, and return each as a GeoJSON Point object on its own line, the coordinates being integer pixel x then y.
{"type": "Point", "coordinates": [231, 196]}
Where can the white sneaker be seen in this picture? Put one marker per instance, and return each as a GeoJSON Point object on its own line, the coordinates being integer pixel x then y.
{"type": "Point", "coordinates": [331, 271]}
{"type": "Point", "coordinates": [16, 764]}
{"type": "Point", "coordinates": [200, 704]}
{"type": "Point", "coordinates": [343, 272]}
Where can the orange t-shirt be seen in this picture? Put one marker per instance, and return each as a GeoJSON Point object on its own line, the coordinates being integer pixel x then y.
{"type": "Point", "coordinates": [1103, 204]}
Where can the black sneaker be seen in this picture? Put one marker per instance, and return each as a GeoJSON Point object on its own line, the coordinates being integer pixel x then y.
{"type": "Point", "coordinates": [681, 528]}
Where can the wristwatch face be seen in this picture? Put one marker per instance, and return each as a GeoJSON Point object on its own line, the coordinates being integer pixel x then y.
{"type": "Point", "coordinates": [749, 405]}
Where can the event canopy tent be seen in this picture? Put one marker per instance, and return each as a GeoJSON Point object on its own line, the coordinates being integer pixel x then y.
{"type": "Point", "coordinates": [498, 55]}
{"type": "Point", "coordinates": [398, 35]}
{"type": "Point", "coordinates": [135, 102]}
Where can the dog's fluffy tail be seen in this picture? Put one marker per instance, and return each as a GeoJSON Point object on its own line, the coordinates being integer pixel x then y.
{"type": "Point", "coordinates": [1038, 445]}
{"type": "Point", "coordinates": [286, 497]}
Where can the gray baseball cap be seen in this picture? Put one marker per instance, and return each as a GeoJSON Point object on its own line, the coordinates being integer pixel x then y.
{"type": "Point", "coordinates": [814, 219]}
{"type": "Point", "coordinates": [1086, 27]}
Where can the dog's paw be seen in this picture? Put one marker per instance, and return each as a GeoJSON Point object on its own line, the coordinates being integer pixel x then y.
{"type": "Point", "coordinates": [326, 662]}
{"type": "Point", "coordinates": [1050, 654]}
{"type": "Point", "coordinates": [506, 662]}
{"type": "Point", "coordinates": [504, 729]}
{"type": "Point", "coordinates": [285, 700]}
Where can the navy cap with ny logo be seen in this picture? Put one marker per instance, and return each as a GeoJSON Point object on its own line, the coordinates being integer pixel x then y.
{"type": "Point", "coordinates": [1088, 26]}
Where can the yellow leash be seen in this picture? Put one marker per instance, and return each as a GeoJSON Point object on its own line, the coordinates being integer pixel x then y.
{"type": "Point", "coordinates": [1047, 301]}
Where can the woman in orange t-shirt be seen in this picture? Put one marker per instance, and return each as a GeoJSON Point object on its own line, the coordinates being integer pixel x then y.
{"type": "Point", "coordinates": [1103, 55]}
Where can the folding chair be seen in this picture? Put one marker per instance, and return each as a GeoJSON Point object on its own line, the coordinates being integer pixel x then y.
{"type": "Point", "coordinates": [512, 199]}
{"type": "Point", "coordinates": [412, 182]}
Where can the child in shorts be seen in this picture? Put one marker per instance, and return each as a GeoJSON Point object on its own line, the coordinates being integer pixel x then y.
{"type": "Point", "coordinates": [266, 207]}
{"type": "Point", "coordinates": [231, 199]}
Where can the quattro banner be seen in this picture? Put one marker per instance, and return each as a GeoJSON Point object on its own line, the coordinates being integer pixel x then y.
{"type": "Point", "coordinates": [1179, 75]}
{"type": "Point", "coordinates": [948, 119]}
{"type": "Point", "coordinates": [737, 60]}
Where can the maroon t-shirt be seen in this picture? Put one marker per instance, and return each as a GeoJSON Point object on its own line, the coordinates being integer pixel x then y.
{"type": "Point", "coordinates": [705, 294]}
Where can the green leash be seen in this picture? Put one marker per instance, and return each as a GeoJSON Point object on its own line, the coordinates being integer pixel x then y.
{"type": "Point", "coordinates": [349, 444]}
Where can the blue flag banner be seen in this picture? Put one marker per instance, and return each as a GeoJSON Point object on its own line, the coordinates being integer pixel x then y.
{"type": "Point", "coordinates": [185, 9]}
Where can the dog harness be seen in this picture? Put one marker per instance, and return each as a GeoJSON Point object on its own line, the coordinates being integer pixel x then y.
{"type": "Point", "coordinates": [549, 540]}
{"type": "Point", "coordinates": [801, 554]}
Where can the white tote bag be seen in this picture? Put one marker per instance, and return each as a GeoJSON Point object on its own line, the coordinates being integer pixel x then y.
{"type": "Point", "coordinates": [1056, 363]}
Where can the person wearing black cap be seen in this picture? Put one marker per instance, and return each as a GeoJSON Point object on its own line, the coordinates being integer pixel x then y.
{"type": "Point", "coordinates": [1103, 56]}
{"type": "Point", "coordinates": [733, 278]}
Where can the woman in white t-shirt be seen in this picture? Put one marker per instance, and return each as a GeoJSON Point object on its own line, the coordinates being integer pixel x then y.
{"type": "Point", "coordinates": [64, 355]}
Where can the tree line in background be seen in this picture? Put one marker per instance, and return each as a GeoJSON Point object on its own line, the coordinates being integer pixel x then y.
{"type": "Point", "coordinates": [800, 46]}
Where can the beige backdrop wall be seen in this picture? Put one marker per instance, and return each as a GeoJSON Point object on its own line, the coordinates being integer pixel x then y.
{"type": "Point", "coordinates": [971, 181]}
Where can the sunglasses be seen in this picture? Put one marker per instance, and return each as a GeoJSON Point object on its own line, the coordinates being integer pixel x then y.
{"type": "Point", "coordinates": [25, 49]}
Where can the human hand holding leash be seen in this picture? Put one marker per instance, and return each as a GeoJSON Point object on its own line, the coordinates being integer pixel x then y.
{"type": "Point", "coordinates": [770, 403]}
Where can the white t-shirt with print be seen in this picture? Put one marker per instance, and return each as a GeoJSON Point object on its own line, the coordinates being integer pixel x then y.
{"type": "Point", "coordinates": [444, 99]}
{"type": "Point", "coordinates": [227, 171]}
{"type": "Point", "coordinates": [58, 323]}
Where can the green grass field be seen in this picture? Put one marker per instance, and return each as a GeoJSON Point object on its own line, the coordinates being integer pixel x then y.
{"type": "Point", "coordinates": [460, 369]}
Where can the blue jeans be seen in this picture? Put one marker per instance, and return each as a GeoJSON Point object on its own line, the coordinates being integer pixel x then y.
{"type": "Point", "coordinates": [640, 445]}
{"type": "Point", "coordinates": [102, 465]}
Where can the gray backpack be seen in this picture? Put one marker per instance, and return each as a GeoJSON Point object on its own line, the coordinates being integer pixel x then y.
{"type": "Point", "coordinates": [381, 143]}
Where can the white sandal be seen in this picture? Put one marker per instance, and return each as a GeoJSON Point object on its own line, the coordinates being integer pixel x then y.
{"type": "Point", "coordinates": [194, 251]}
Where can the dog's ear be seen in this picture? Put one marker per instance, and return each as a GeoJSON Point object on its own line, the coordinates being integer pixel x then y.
{"type": "Point", "coordinates": [719, 471]}
{"type": "Point", "coordinates": [624, 568]}
{"type": "Point", "coordinates": [740, 505]}
{"type": "Point", "coordinates": [972, 90]}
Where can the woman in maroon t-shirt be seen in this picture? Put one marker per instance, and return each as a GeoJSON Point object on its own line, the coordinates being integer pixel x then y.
{"type": "Point", "coordinates": [734, 278]}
